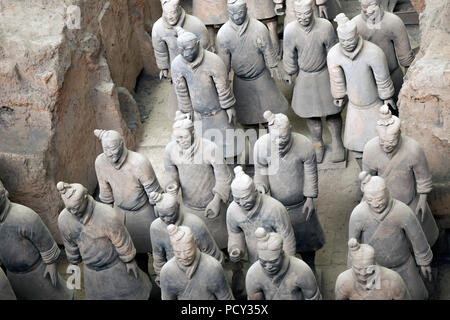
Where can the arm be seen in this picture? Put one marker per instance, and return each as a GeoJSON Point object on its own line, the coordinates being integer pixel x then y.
{"type": "Point", "coordinates": [337, 78]}
{"type": "Point", "coordinates": [207, 244]}
{"type": "Point", "coordinates": [223, 87]}
{"type": "Point", "coordinates": [161, 50]}
{"type": "Point", "coordinates": [355, 229]}
{"type": "Point", "coordinates": [252, 286]}
{"type": "Point", "coordinates": [402, 45]}
{"type": "Point", "coordinates": [158, 253]}
{"type": "Point", "coordinates": [284, 228]}
{"type": "Point", "coordinates": [369, 161]}
{"type": "Point", "coordinates": [381, 74]}
{"type": "Point", "coordinates": [147, 178]}
{"type": "Point", "coordinates": [121, 239]}
{"type": "Point", "coordinates": [166, 292]}
{"type": "Point", "coordinates": [399, 290]}
{"type": "Point", "coordinates": [290, 53]}
{"type": "Point", "coordinates": [424, 184]}
{"type": "Point", "coordinates": [223, 51]}
{"type": "Point", "coordinates": [261, 178]}
{"type": "Point", "coordinates": [221, 289]}
{"type": "Point", "coordinates": [331, 38]}
{"type": "Point", "coordinates": [71, 248]}
{"type": "Point", "coordinates": [105, 191]}
{"type": "Point", "coordinates": [236, 238]}
{"type": "Point", "coordinates": [339, 289]}
{"type": "Point", "coordinates": [311, 181]}
{"type": "Point", "coordinates": [170, 168]}
{"type": "Point", "coordinates": [308, 284]}
{"type": "Point", "coordinates": [413, 229]}
{"type": "Point", "coordinates": [181, 90]}
{"type": "Point", "coordinates": [222, 175]}
{"type": "Point", "coordinates": [266, 48]}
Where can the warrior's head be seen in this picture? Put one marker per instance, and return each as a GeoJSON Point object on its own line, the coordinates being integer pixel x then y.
{"type": "Point", "coordinates": [270, 250]}
{"type": "Point", "coordinates": [167, 206]}
{"type": "Point", "coordinates": [376, 193]}
{"type": "Point", "coordinates": [237, 9]}
{"type": "Point", "coordinates": [3, 196]}
{"type": "Point", "coordinates": [371, 9]}
{"type": "Point", "coordinates": [279, 128]}
{"type": "Point", "coordinates": [188, 44]}
{"type": "Point", "coordinates": [112, 144]}
{"type": "Point", "coordinates": [171, 11]}
{"type": "Point", "coordinates": [74, 196]}
{"type": "Point", "coordinates": [388, 127]}
{"type": "Point", "coordinates": [363, 260]}
{"type": "Point", "coordinates": [347, 32]}
{"type": "Point", "coordinates": [243, 189]}
{"type": "Point", "coordinates": [183, 130]}
{"type": "Point", "coordinates": [183, 244]}
{"type": "Point", "coordinates": [304, 12]}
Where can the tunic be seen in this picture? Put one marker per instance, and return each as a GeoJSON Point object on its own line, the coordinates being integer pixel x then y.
{"type": "Point", "coordinates": [262, 9]}
{"type": "Point", "coordinates": [392, 287]}
{"type": "Point", "coordinates": [6, 292]}
{"type": "Point", "coordinates": [247, 49]}
{"type": "Point", "coordinates": [294, 281]}
{"type": "Point", "coordinates": [26, 248]}
{"type": "Point", "coordinates": [211, 12]}
{"type": "Point", "coordinates": [164, 41]}
{"type": "Point", "coordinates": [100, 240]}
{"type": "Point", "coordinates": [391, 36]}
{"type": "Point", "coordinates": [305, 51]}
{"type": "Point", "coordinates": [290, 179]}
{"type": "Point", "coordinates": [203, 280]}
{"type": "Point", "coordinates": [201, 176]}
{"type": "Point", "coordinates": [363, 76]}
{"type": "Point", "coordinates": [390, 233]}
{"type": "Point", "coordinates": [267, 213]}
{"type": "Point", "coordinates": [407, 175]}
{"type": "Point", "coordinates": [128, 185]}
{"type": "Point", "coordinates": [203, 88]}
{"type": "Point", "coordinates": [162, 249]}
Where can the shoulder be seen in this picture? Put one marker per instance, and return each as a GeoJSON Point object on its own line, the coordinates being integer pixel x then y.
{"type": "Point", "coordinates": [100, 160]}
{"type": "Point", "coordinates": [169, 268]}
{"type": "Point", "coordinates": [211, 265]}
{"type": "Point", "coordinates": [223, 32]}
{"type": "Point", "coordinates": [344, 281]}
{"type": "Point", "coordinates": [177, 63]}
{"type": "Point", "coordinates": [157, 225]}
{"type": "Point", "coordinates": [23, 214]}
{"type": "Point", "coordinates": [325, 24]}
{"type": "Point", "coordinates": [158, 27]}
{"type": "Point", "coordinates": [105, 215]}
{"type": "Point", "coordinates": [413, 146]}
{"type": "Point", "coordinates": [213, 58]}
{"type": "Point", "coordinates": [291, 27]}
{"type": "Point", "coordinates": [194, 21]}
{"type": "Point", "coordinates": [358, 20]}
{"type": "Point", "coordinates": [301, 140]}
{"type": "Point", "coordinates": [300, 267]}
{"type": "Point", "coordinates": [401, 208]}
{"type": "Point", "coordinates": [273, 203]}
{"type": "Point", "coordinates": [233, 209]}
{"type": "Point", "coordinates": [373, 145]}
{"type": "Point", "coordinates": [263, 142]}
{"type": "Point", "coordinates": [254, 271]}
{"type": "Point", "coordinates": [65, 219]}
{"type": "Point", "coordinates": [360, 211]}
{"type": "Point", "coordinates": [170, 146]}
{"type": "Point", "coordinates": [392, 20]}
{"type": "Point", "coordinates": [372, 50]}
{"type": "Point", "coordinates": [194, 222]}
{"type": "Point", "coordinates": [137, 158]}
{"type": "Point", "coordinates": [334, 53]}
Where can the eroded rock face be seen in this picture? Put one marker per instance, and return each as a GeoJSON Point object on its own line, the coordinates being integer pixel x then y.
{"type": "Point", "coordinates": [58, 84]}
{"type": "Point", "coordinates": [425, 100]}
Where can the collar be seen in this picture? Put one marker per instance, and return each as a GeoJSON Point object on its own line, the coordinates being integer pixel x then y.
{"type": "Point", "coordinates": [188, 154]}
{"type": "Point", "coordinates": [390, 155]}
{"type": "Point", "coordinates": [287, 147]}
{"type": "Point", "coordinates": [87, 214]}
{"type": "Point", "coordinates": [122, 159]}
{"type": "Point", "coordinates": [309, 27]}
{"type": "Point", "coordinates": [352, 55]}
{"type": "Point", "coordinates": [276, 279]}
{"type": "Point", "coordinates": [5, 211]}
{"type": "Point", "coordinates": [373, 24]}
{"type": "Point", "coordinates": [180, 22]}
{"type": "Point", "coordinates": [242, 28]}
{"type": "Point", "coordinates": [190, 271]}
{"type": "Point", "coordinates": [194, 64]}
{"type": "Point", "coordinates": [256, 207]}
{"type": "Point", "coordinates": [382, 215]}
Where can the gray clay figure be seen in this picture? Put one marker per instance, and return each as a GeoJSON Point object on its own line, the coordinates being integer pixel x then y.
{"type": "Point", "coordinates": [358, 69]}
{"type": "Point", "coordinates": [401, 161]}
{"type": "Point", "coordinates": [285, 168]}
{"type": "Point", "coordinates": [386, 30]}
{"type": "Point", "coordinates": [327, 9]}
{"type": "Point", "coordinates": [168, 210]}
{"type": "Point", "coordinates": [366, 280]}
{"type": "Point", "coordinates": [29, 253]}
{"type": "Point", "coordinates": [245, 47]}
{"type": "Point", "coordinates": [6, 292]}
{"type": "Point", "coordinates": [277, 276]}
{"type": "Point", "coordinates": [195, 165]}
{"type": "Point", "coordinates": [307, 41]}
{"type": "Point", "coordinates": [93, 234]}
{"type": "Point", "coordinates": [392, 229]}
{"type": "Point", "coordinates": [251, 210]}
{"type": "Point", "coordinates": [192, 274]}
{"type": "Point", "coordinates": [164, 41]}
{"type": "Point", "coordinates": [204, 91]}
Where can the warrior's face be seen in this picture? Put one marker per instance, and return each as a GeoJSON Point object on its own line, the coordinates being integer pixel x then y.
{"type": "Point", "coordinates": [77, 203]}
{"type": "Point", "coordinates": [185, 253]}
{"type": "Point", "coordinates": [280, 136]}
{"type": "Point", "coordinates": [189, 50]}
{"type": "Point", "coordinates": [389, 142]}
{"type": "Point", "coordinates": [363, 270]}
{"type": "Point", "coordinates": [349, 41]}
{"type": "Point", "coordinates": [113, 149]}
{"type": "Point", "coordinates": [171, 14]}
{"type": "Point", "coordinates": [183, 137]}
{"type": "Point", "coordinates": [304, 15]}
{"type": "Point", "coordinates": [272, 267]}
{"type": "Point", "coordinates": [238, 13]}
{"type": "Point", "coordinates": [246, 199]}
{"type": "Point", "coordinates": [169, 215]}
{"type": "Point", "coordinates": [377, 199]}
{"type": "Point", "coordinates": [370, 9]}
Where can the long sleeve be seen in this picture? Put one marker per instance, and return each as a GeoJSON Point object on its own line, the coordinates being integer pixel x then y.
{"type": "Point", "coordinates": [223, 87]}
{"type": "Point", "coordinates": [284, 228]}
{"type": "Point", "coordinates": [166, 290]}
{"type": "Point", "coordinates": [70, 246]}
{"type": "Point", "coordinates": [207, 244]}
{"type": "Point", "coordinates": [236, 237]}
{"type": "Point", "coordinates": [161, 50]}
{"type": "Point", "coordinates": [158, 253]}
{"type": "Point", "coordinates": [261, 167]}
{"type": "Point", "coordinates": [224, 52]}
{"type": "Point", "coordinates": [355, 229]}
{"type": "Point", "coordinates": [221, 289]}
{"type": "Point", "coordinates": [399, 290]}
{"type": "Point", "coordinates": [121, 239]}
{"type": "Point", "coordinates": [105, 190]}
{"type": "Point", "coordinates": [290, 54]}
{"type": "Point", "coordinates": [147, 178]}
{"type": "Point", "coordinates": [331, 39]}
{"type": "Point", "coordinates": [308, 286]}
{"type": "Point", "coordinates": [369, 160]}
{"type": "Point", "coordinates": [252, 285]}
{"type": "Point", "coordinates": [422, 174]}
{"type": "Point", "coordinates": [222, 176]}
{"type": "Point", "coordinates": [266, 48]}
{"type": "Point", "coordinates": [339, 289]}
{"type": "Point", "coordinates": [182, 92]}
{"type": "Point", "coordinates": [311, 180]}
{"type": "Point", "coordinates": [170, 168]}
{"type": "Point", "coordinates": [414, 232]}
{"type": "Point", "coordinates": [337, 78]}
{"type": "Point", "coordinates": [402, 45]}
{"type": "Point", "coordinates": [381, 74]}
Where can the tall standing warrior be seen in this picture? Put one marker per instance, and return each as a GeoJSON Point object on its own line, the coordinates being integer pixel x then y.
{"type": "Point", "coordinates": [29, 253]}
{"type": "Point", "coordinates": [196, 166]}
{"type": "Point", "coordinates": [366, 280]}
{"type": "Point", "coordinates": [93, 234]}
{"type": "Point", "coordinates": [387, 31]}
{"type": "Point", "coordinates": [251, 210]}
{"type": "Point", "coordinates": [327, 9]}
{"type": "Point", "coordinates": [401, 161]}
{"type": "Point", "coordinates": [292, 180]}
{"type": "Point", "coordinates": [245, 46]}
{"type": "Point", "coordinates": [391, 228]}
{"type": "Point", "coordinates": [358, 69]}
{"type": "Point", "coordinates": [164, 40]}
{"type": "Point", "coordinates": [6, 292]}
{"type": "Point", "coordinates": [127, 178]}
{"type": "Point", "coordinates": [306, 43]}
{"type": "Point", "coordinates": [203, 89]}
{"type": "Point", "coordinates": [192, 274]}
{"type": "Point", "coordinates": [276, 276]}
{"type": "Point", "coordinates": [168, 210]}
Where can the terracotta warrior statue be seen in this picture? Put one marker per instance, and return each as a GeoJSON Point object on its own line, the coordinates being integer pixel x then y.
{"type": "Point", "coordinates": [203, 90]}
{"type": "Point", "coordinates": [6, 292]}
{"type": "Point", "coordinates": [386, 30]}
{"type": "Point", "coordinates": [327, 9]}
{"type": "Point", "coordinates": [93, 234]}
{"type": "Point", "coordinates": [251, 210]}
{"type": "Point", "coordinates": [213, 13]}
{"type": "Point", "coordinates": [192, 274]}
{"type": "Point", "coordinates": [244, 45]}
{"type": "Point", "coordinates": [29, 253]}
{"type": "Point", "coordinates": [195, 165]}
{"type": "Point", "coordinates": [292, 180]}
{"type": "Point", "coordinates": [392, 229]}
{"type": "Point", "coordinates": [277, 276]}
{"type": "Point", "coordinates": [164, 40]}
{"type": "Point", "coordinates": [306, 43]}
{"type": "Point", "coordinates": [366, 280]}
{"type": "Point", "coordinates": [358, 69]}
{"type": "Point", "coordinates": [401, 161]}
{"type": "Point", "coordinates": [126, 179]}
{"type": "Point", "coordinates": [168, 211]}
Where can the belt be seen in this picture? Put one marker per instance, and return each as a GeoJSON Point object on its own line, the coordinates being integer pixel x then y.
{"type": "Point", "coordinates": [297, 205]}
{"type": "Point", "coordinates": [29, 269]}
{"type": "Point", "coordinates": [208, 114]}
{"type": "Point", "coordinates": [109, 265]}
